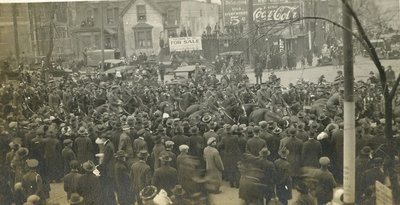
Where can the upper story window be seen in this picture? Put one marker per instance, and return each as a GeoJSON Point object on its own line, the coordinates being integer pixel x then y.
{"type": "Point", "coordinates": [141, 12]}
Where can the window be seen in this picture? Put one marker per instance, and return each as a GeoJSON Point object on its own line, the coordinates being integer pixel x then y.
{"type": "Point", "coordinates": [61, 13]}
{"type": "Point", "coordinates": [110, 16]}
{"type": "Point", "coordinates": [141, 12]}
{"type": "Point", "coordinates": [172, 17]}
{"type": "Point", "coordinates": [143, 39]}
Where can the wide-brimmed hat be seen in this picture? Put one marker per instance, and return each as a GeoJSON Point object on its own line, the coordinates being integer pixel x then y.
{"type": "Point", "coordinates": [126, 127]}
{"type": "Point", "coordinates": [366, 150]}
{"type": "Point", "coordinates": [277, 131]}
{"type": "Point", "coordinates": [75, 199]}
{"type": "Point", "coordinates": [322, 117]}
{"type": "Point", "coordinates": [100, 128]}
{"type": "Point", "coordinates": [89, 166]}
{"type": "Point", "coordinates": [120, 153]}
{"type": "Point", "coordinates": [143, 154]}
{"type": "Point", "coordinates": [264, 152]}
{"type": "Point", "coordinates": [169, 122]}
{"type": "Point", "coordinates": [160, 128]}
{"type": "Point", "coordinates": [32, 163]}
{"type": "Point", "coordinates": [284, 152]}
{"type": "Point", "coordinates": [23, 152]}
{"type": "Point", "coordinates": [178, 190]}
{"type": "Point", "coordinates": [82, 131]}
{"type": "Point", "coordinates": [148, 192]}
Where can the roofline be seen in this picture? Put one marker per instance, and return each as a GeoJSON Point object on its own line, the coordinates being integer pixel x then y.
{"type": "Point", "coordinates": [129, 5]}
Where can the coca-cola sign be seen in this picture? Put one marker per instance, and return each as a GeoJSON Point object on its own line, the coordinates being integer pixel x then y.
{"type": "Point", "coordinates": [235, 12]}
{"type": "Point", "coordinates": [280, 13]}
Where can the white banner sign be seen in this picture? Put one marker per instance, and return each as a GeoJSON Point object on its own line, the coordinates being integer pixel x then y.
{"type": "Point", "coordinates": [185, 44]}
{"type": "Point", "coordinates": [383, 194]}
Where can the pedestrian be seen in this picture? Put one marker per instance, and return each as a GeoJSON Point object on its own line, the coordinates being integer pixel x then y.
{"type": "Point", "coordinates": [52, 155]}
{"type": "Point", "coordinates": [140, 175]}
{"type": "Point", "coordinates": [255, 144]}
{"type": "Point", "coordinates": [18, 164]}
{"type": "Point", "coordinates": [89, 185]}
{"type": "Point", "coordinates": [283, 179]}
{"type": "Point", "coordinates": [122, 179]}
{"type": "Point", "coordinates": [71, 179]}
{"type": "Point", "coordinates": [326, 182]}
{"type": "Point", "coordinates": [68, 155]}
{"type": "Point", "coordinates": [214, 166]}
{"type": "Point", "coordinates": [157, 149]}
{"type": "Point", "coordinates": [83, 146]}
{"type": "Point", "coordinates": [32, 182]}
{"type": "Point", "coordinates": [196, 142]}
{"type": "Point", "coordinates": [179, 139]}
{"type": "Point", "coordinates": [125, 144]}
{"type": "Point", "coordinates": [161, 71]}
{"type": "Point", "coordinates": [294, 145]}
{"type": "Point", "coordinates": [230, 147]}
{"type": "Point", "coordinates": [373, 174]}
{"type": "Point", "coordinates": [169, 146]}
{"type": "Point", "coordinates": [311, 152]}
{"type": "Point", "coordinates": [165, 177]}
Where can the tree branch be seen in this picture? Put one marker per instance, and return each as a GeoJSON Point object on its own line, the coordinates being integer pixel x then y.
{"type": "Point", "coordinates": [371, 48]}
{"type": "Point", "coordinates": [395, 85]}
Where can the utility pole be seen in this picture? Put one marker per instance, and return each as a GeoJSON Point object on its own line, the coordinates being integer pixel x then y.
{"type": "Point", "coordinates": [349, 144]}
{"type": "Point", "coordinates": [251, 32]}
{"type": "Point", "coordinates": [102, 35]}
{"type": "Point", "coordinates": [15, 24]}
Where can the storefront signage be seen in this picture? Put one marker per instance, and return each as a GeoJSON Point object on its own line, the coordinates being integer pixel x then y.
{"type": "Point", "coordinates": [235, 12]}
{"type": "Point", "coordinates": [185, 44]}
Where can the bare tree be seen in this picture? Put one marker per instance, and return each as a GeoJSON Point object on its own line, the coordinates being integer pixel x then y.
{"type": "Point", "coordinates": [52, 13]}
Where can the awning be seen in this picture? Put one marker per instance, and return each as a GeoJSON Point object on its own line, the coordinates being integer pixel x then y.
{"type": "Point", "coordinates": [142, 26]}
{"type": "Point", "coordinates": [110, 31]}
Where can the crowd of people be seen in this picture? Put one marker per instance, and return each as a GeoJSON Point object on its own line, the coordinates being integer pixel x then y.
{"type": "Point", "coordinates": [142, 143]}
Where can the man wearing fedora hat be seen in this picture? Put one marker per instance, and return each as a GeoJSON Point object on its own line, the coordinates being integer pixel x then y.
{"type": "Point", "coordinates": [122, 179]}
{"type": "Point", "coordinates": [18, 164]}
{"type": "Point", "coordinates": [83, 146]}
{"type": "Point", "coordinates": [255, 144]}
{"type": "Point", "coordinates": [32, 182]}
{"type": "Point", "coordinates": [125, 144]}
{"type": "Point", "coordinates": [140, 174]}
{"type": "Point", "coordinates": [169, 146]}
{"type": "Point", "coordinates": [89, 185]}
{"type": "Point", "coordinates": [157, 149]}
{"type": "Point", "coordinates": [283, 177]}
{"type": "Point", "coordinates": [179, 139]}
{"type": "Point", "coordinates": [196, 141]}
{"type": "Point", "coordinates": [269, 171]}
{"type": "Point", "coordinates": [295, 146]}
{"type": "Point", "coordinates": [373, 174]}
{"type": "Point", "coordinates": [68, 155]}
{"type": "Point", "coordinates": [211, 132]}
{"type": "Point", "coordinates": [362, 164]}
{"type": "Point", "coordinates": [311, 152]}
{"type": "Point", "coordinates": [106, 168]}
{"type": "Point", "coordinates": [139, 143]}
{"type": "Point", "coordinates": [165, 177]}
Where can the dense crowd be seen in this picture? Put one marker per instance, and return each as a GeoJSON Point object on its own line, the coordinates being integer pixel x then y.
{"type": "Point", "coordinates": [159, 143]}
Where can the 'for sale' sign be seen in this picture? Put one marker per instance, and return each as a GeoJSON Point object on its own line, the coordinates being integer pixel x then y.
{"type": "Point", "coordinates": [185, 44]}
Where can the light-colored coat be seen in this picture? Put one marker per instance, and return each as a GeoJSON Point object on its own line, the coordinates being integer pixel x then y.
{"type": "Point", "coordinates": [214, 166]}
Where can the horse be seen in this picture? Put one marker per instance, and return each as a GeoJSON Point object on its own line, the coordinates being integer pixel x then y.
{"type": "Point", "coordinates": [264, 114]}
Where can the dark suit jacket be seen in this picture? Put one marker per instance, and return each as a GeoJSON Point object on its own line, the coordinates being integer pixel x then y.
{"type": "Point", "coordinates": [311, 153]}
{"type": "Point", "coordinates": [140, 175]}
{"type": "Point", "coordinates": [89, 188]}
{"type": "Point", "coordinates": [71, 182]}
{"type": "Point", "coordinates": [108, 159]}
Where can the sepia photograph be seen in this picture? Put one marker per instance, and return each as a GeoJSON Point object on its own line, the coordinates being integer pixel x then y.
{"type": "Point", "coordinates": [199, 102]}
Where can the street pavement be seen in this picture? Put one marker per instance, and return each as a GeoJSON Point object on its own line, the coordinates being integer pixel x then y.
{"type": "Point", "coordinates": [362, 67]}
